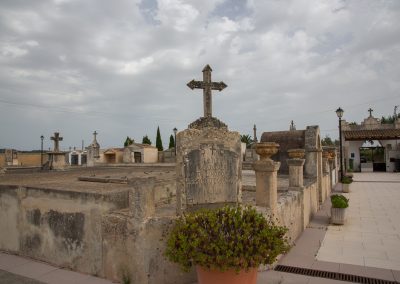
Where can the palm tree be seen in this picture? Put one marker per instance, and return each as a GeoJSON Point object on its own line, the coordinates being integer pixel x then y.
{"type": "Point", "coordinates": [246, 138]}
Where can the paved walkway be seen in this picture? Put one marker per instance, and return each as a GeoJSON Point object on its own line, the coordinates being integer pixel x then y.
{"type": "Point", "coordinates": [371, 235]}
{"type": "Point", "coordinates": [19, 270]}
{"type": "Point", "coordinates": [367, 245]}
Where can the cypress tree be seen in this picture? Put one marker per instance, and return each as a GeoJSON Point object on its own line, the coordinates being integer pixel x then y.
{"type": "Point", "coordinates": [158, 140]}
{"type": "Point", "coordinates": [171, 142]}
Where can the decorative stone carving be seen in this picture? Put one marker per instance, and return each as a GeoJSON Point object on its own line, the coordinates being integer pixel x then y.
{"type": "Point", "coordinates": [266, 150]}
{"type": "Point", "coordinates": [296, 153]}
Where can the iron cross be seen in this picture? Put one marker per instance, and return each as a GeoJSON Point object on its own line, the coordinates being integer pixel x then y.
{"type": "Point", "coordinates": [207, 85]}
{"type": "Point", "coordinates": [370, 111]}
{"type": "Point", "coordinates": [56, 139]}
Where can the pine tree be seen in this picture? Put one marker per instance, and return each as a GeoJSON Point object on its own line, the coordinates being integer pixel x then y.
{"type": "Point", "coordinates": [146, 140]}
{"type": "Point", "coordinates": [171, 142]}
{"type": "Point", "coordinates": [158, 140]}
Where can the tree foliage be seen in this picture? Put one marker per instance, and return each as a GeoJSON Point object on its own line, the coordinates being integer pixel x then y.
{"type": "Point", "coordinates": [327, 141]}
{"type": "Point", "coordinates": [171, 142]}
{"type": "Point", "coordinates": [389, 119]}
{"type": "Point", "coordinates": [245, 138]}
{"type": "Point", "coordinates": [128, 141]}
{"type": "Point", "coordinates": [146, 140]}
{"type": "Point", "coordinates": [158, 140]}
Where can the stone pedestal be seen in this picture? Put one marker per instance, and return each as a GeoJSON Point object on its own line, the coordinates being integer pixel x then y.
{"type": "Point", "coordinates": [57, 160]}
{"type": "Point", "coordinates": [208, 166]}
{"type": "Point", "coordinates": [267, 183]}
{"type": "Point", "coordinates": [295, 173]}
{"type": "Point", "coordinates": [325, 161]}
{"type": "Point", "coordinates": [266, 175]}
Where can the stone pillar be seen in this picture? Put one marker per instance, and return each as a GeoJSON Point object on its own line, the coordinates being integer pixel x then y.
{"type": "Point", "coordinates": [296, 163]}
{"type": "Point", "coordinates": [325, 162]}
{"type": "Point", "coordinates": [266, 176]}
{"type": "Point", "coordinates": [142, 198]}
{"type": "Point", "coordinates": [208, 165]}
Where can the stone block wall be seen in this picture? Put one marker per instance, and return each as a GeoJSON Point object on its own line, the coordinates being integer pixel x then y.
{"type": "Point", "coordinates": [60, 227]}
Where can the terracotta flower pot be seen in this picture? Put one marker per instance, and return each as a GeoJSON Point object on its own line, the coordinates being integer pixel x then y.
{"type": "Point", "coordinates": [206, 276]}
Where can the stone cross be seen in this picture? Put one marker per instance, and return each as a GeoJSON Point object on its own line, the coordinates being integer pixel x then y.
{"type": "Point", "coordinates": [56, 140]}
{"type": "Point", "coordinates": [95, 134]}
{"type": "Point", "coordinates": [370, 112]}
{"type": "Point", "coordinates": [207, 85]}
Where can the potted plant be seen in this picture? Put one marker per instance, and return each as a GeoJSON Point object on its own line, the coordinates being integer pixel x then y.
{"type": "Point", "coordinates": [346, 181]}
{"type": "Point", "coordinates": [226, 245]}
{"type": "Point", "coordinates": [338, 209]}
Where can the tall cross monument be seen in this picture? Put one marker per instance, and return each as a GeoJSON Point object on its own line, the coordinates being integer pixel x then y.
{"type": "Point", "coordinates": [207, 85]}
{"type": "Point", "coordinates": [56, 138]}
{"type": "Point", "coordinates": [370, 112]}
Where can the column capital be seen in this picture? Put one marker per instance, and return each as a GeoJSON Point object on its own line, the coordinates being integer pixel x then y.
{"type": "Point", "coordinates": [295, 162]}
{"type": "Point", "coordinates": [266, 166]}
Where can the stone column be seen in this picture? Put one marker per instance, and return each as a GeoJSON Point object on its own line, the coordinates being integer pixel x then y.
{"type": "Point", "coordinates": [296, 163]}
{"type": "Point", "coordinates": [266, 176]}
{"type": "Point", "coordinates": [325, 162]}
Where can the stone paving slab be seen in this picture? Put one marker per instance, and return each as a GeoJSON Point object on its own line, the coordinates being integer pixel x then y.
{"type": "Point", "coordinates": [16, 269]}
{"type": "Point", "coordinates": [371, 234]}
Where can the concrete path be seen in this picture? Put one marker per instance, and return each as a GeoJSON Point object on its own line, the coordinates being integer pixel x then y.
{"type": "Point", "coordinates": [367, 245]}
{"type": "Point", "coordinates": [371, 235]}
{"type": "Point", "coordinates": [15, 270]}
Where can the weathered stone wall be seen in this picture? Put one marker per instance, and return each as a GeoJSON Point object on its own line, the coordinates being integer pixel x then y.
{"type": "Point", "coordinates": [60, 227]}
{"type": "Point", "coordinates": [289, 213]}
{"type": "Point", "coordinates": [310, 202]}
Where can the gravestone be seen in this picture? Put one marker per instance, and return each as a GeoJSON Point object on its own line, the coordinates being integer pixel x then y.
{"type": "Point", "coordinates": [208, 157]}
{"type": "Point", "coordinates": [93, 151]}
{"type": "Point", "coordinates": [57, 159]}
{"type": "Point", "coordinates": [9, 157]}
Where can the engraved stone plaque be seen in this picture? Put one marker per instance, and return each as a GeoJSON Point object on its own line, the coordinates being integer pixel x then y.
{"type": "Point", "coordinates": [211, 175]}
{"type": "Point", "coordinates": [208, 168]}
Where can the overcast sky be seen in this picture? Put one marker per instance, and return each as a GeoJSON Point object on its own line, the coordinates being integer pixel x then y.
{"type": "Point", "coordinates": [121, 67]}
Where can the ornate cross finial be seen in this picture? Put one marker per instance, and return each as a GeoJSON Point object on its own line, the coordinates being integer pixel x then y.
{"type": "Point", "coordinates": [56, 138]}
{"type": "Point", "coordinates": [370, 112]}
{"type": "Point", "coordinates": [207, 85]}
{"type": "Point", "coordinates": [255, 133]}
{"type": "Point", "coordinates": [95, 134]}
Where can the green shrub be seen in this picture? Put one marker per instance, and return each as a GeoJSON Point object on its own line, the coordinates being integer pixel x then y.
{"type": "Point", "coordinates": [347, 180]}
{"type": "Point", "coordinates": [226, 238]}
{"type": "Point", "coordinates": [339, 201]}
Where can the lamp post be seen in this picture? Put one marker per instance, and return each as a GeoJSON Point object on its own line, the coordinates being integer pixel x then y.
{"type": "Point", "coordinates": [175, 130]}
{"type": "Point", "coordinates": [41, 152]}
{"type": "Point", "coordinates": [339, 113]}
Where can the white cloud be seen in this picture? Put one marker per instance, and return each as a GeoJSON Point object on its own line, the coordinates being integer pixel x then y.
{"type": "Point", "coordinates": [281, 60]}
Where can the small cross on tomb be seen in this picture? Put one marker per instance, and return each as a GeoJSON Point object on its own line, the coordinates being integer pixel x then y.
{"type": "Point", "coordinates": [95, 134]}
{"type": "Point", "coordinates": [56, 138]}
{"type": "Point", "coordinates": [207, 85]}
{"type": "Point", "coordinates": [370, 112]}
